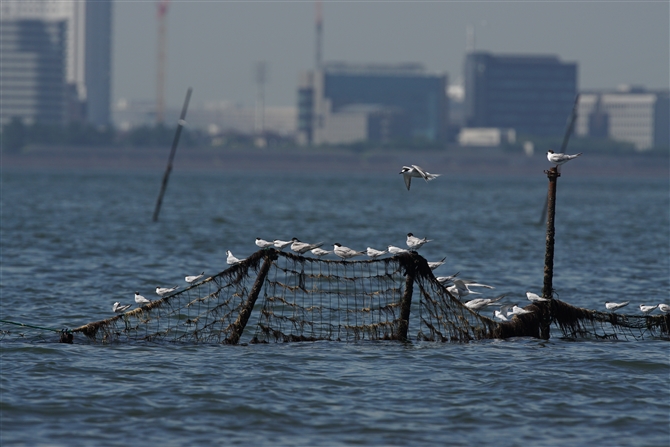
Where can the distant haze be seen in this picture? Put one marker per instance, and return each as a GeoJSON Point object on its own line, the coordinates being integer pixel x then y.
{"type": "Point", "coordinates": [214, 45]}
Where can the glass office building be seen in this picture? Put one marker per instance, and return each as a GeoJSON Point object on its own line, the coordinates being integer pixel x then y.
{"type": "Point", "coordinates": [32, 70]}
{"type": "Point", "coordinates": [384, 102]}
{"type": "Point", "coordinates": [532, 94]}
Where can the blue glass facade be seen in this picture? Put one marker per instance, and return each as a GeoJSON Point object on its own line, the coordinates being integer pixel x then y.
{"type": "Point", "coordinates": [32, 71]}
{"type": "Point", "coordinates": [399, 102]}
{"type": "Point", "coordinates": [420, 98]}
{"type": "Point", "coordinates": [532, 94]}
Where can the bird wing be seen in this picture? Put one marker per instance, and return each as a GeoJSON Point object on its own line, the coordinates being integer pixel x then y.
{"type": "Point", "coordinates": [421, 172]}
{"type": "Point", "coordinates": [408, 180]}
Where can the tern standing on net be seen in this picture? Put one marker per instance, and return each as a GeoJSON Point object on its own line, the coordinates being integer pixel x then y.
{"type": "Point", "coordinates": [415, 171]}
{"type": "Point", "coordinates": [139, 299]}
{"type": "Point", "coordinates": [162, 291]}
{"type": "Point", "coordinates": [414, 243]}
{"type": "Point", "coordinates": [280, 245]}
{"type": "Point", "coordinates": [614, 306]}
{"type": "Point", "coordinates": [480, 303]}
{"type": "Point", "coordinates": [303, 247]}
{"type": "Point", "coordinates": [232, 260]}
{"type": "Point", "coordinates": [194, 278]}
{"type": "Point", "coordinates": [664, 308]}
{"type": "Point", "coordinates": [375, 253]}
{"type": "Point", "coordinates": [263, 243]}
{"type": "Point", "coordinates": [647, 309]}
{"type": "Point", "coordinates": [320, 252]}
{"type": "Point", "coordinates": [396, 250]}
{"type": "Point", "coordinates": [436, 264]}
{"type": "Point", "coordinates": [119, 308]}
{"type": "Point", "coordinates": [346, 252]}
{"type": "Point", "coordinates": [535, 297]}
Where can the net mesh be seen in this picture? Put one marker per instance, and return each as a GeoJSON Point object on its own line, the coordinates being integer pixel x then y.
{"type": "Point", "coordinates": [274, 296]}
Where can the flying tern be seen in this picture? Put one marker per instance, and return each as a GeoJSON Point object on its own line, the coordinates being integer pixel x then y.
{"type": "Point", "coordinates": [414, 243]}
{"type": "Point", "coordinates": [614, 306]}
{"type": "Point", "coordinates": [194, 278]}
{"type": "Point", "coordinates": [263, 243]}
{"type": "Point", "coordinates": [120, 308]}
{"type": "Point", "coordinates": [415, 171]}
{"type": "Point", "coordinates": [647, 309]}
{"type": "Point", "coordinates": [346, 252]}
{"type": "Point", "coordinates": [139, 299]}
{"type": "Point", "coordinates": [162, 291]}
{"type": "Point", "coordinates": [535, 297]}
{"type": "Point", "coordinates": [232, 260]}
{"type": "Point", "coordinates": [462, 288]}
{"type": "Point", "coordinates": [303, 247]}
{"type": "Point", "coordinates": [375, 253]}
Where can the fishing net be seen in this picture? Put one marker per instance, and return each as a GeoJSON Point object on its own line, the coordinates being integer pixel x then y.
{"type": "Point", "coordinates": [274, 296]}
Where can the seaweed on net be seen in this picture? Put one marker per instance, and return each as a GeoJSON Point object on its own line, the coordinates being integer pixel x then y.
{"type": "Point", "coordinates": [282, 297]}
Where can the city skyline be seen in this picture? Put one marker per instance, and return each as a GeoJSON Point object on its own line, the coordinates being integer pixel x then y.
{"type": "Point", "coordinates": [213, 46]}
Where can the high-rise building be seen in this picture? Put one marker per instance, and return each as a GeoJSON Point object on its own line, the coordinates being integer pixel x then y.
{"type": "Point", "coordinates": [346, 103]}
{"type": "Point", "coordinates": [32, 71]}
{"type": "Point", "coordinates": [532, 94]}
{"type": "Point", "coordinates": [86, 54]}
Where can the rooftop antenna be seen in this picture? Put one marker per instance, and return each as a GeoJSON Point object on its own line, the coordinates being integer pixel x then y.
{"type": "Point", "coordinates": [261, 77]}
{"type": "Point", "coordinates": [470, 43]}
{"type": "Point", "coordinates": [319, 35]}
{"type": "Point", "coordinates": [160, 74]}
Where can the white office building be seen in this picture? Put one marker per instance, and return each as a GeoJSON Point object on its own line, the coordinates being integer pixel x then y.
{"type": "Point", "coordinates": [627, 114]}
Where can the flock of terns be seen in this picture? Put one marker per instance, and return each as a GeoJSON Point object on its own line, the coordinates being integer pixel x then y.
{"type": "Point", "coordinates": [457, 287]}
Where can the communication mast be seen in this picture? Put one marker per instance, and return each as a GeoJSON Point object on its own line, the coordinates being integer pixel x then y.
{"type": "Point", "coordinates": [319, 35]}
{"type": "Point", "coordinates": [160, 75]}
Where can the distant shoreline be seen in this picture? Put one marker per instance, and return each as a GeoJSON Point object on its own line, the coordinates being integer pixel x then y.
{"type": "Point", "coordinates": [467, 162]}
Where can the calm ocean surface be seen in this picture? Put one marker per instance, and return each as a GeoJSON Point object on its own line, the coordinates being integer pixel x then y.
{"type": "Point", "coordinates": [73, 243]}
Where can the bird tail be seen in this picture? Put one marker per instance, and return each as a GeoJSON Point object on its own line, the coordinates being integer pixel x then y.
{"type": "Point", "coordinates": [432, 176]}
{"type": "Point", "coordinates": [495, 300]}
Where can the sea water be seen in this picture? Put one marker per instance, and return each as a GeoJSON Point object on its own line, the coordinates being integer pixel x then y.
{"type": "Point", "coordinates": [73, 243]}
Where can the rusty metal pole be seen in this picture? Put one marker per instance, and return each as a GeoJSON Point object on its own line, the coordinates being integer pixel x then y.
{"type": "Point", "coordinates": [548, 288]}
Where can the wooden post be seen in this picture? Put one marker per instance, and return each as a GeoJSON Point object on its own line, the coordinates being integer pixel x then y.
{"type": "Point", "coordinates": [175, 142]}
{"type": "Point", "coordinates": [248, 306]}
{"type": "Point", "coordinates": [406, 301]}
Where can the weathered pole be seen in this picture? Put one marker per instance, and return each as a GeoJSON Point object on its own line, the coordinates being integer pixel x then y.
{"type": "Point", "coordinates": [175, 142]}
{"type": "Point", "coordinates": [548, 288]}
{"type": "Point", "coordinates": [409, 262]}
{"type": "Point", "coordinates": [246, 308]}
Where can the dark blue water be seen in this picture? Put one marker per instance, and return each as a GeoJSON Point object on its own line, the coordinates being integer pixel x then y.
{"type": "Point", "coordinates": [74, 243]}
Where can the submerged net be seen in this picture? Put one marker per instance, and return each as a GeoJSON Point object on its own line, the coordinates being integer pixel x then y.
{"type": "Point", "coordinates": [274, 296]}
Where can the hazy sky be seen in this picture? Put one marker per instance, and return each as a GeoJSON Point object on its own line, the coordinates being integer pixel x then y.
{"type": "Point", "coordinates": [213, 45]}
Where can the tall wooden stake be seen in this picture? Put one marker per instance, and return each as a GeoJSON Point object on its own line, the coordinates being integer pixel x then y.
{"type": "Point", "coordinates": [175, 142]}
